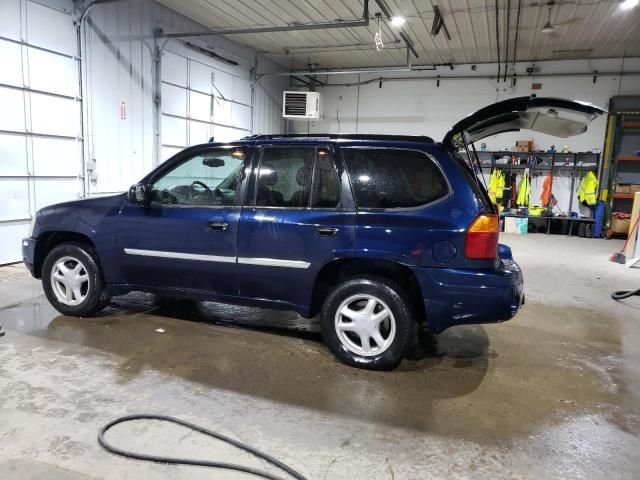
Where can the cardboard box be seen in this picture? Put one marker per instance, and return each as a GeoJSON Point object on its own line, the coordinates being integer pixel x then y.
{"type": "Point", "coordinates": [634, 188]}
{"type": "Point", "coordinates": [623, 189]}
{"type": "Point", "coordinates": [524, 146]}
{"type": "Point", "coordinates": [620, 226]}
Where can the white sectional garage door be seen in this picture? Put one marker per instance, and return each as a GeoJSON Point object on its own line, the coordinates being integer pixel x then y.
{"type": "Point", "coordinates": [201, 98]}
{"type": "Point", "coordinates": [40, 116]}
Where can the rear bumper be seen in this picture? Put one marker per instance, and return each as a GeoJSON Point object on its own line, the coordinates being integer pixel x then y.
{"type": "Point", "coordinates": [459, 297]}
{"type": "Point", "coordinates": [29, 253]}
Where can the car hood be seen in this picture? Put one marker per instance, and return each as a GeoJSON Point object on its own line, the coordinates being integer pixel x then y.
{"type": "Point", "coordinates": [553, 116]}
{"type": "Point", "coordinates": [89, 202]}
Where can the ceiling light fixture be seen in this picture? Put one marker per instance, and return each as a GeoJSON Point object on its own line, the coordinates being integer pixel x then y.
{"type": "Point", "coordinates": [400, 21]}
{"type": "Point", "coordinates": [548, 28]}
{"type": "Point", "coordinates": [629, 4]}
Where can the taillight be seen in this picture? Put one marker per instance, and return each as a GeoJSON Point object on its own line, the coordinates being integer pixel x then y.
{"type": "Point", "coordinates": [481, 238]}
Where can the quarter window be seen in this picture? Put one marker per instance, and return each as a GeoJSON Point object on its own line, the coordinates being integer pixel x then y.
{"type": "Point", "coordinates": [297, 177]}
{"type": "Point", "coordinates": [393, 178]}
{"type": "Point", "coordinates": [209, 178]}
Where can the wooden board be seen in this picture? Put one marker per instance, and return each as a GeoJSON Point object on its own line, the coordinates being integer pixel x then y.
{"type": "Point", "coordinates": [631, 249]}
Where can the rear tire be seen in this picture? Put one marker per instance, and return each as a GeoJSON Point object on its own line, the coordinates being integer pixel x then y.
{"type": "Point", "coordinates": [72, 280]}
{"type": "Point", "coordinates": [368, 322]}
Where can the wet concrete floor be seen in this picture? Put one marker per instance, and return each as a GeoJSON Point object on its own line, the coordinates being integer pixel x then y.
{"type": "Point", "coordinates": [555, 393]}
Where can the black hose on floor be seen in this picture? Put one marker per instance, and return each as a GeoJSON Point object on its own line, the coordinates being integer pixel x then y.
{"type": "Point", "coordinates": [622, 294]}
{"type": "Point", "coordinates": [187, 461]}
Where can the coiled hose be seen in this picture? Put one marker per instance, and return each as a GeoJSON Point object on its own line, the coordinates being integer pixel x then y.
{"type": "Point", "coordinates": [187, 461]}
{"type": "Point", "coordinates": [622, 294]}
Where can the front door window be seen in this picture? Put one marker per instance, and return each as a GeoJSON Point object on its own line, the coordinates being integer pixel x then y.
{"type": "Point", "coordinates": [209, 178]}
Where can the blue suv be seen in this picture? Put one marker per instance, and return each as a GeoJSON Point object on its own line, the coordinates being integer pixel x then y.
{"type": "Point", "coordinates": [379, 234]}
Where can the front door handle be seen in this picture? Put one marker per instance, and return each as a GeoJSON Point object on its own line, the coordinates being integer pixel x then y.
{"type": "Point", "coordinates": [327, 231]}
{"type": "Point", "coordinates": [217, 226]}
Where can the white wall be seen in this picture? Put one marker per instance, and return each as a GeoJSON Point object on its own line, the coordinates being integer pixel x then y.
{"type": "Point", "coordinates": [120, 74]}
{"type": "Point", "coordinates": [51, 132]}
{"type": "Point", "coordinates": [420, 107]}
{"type": "Point", "coordinates": [40, 114]}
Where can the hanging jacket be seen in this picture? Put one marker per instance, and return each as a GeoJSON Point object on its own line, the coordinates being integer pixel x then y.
{"type": "Point", "coordinates": [587, 190]}
{"type": "Point", "coordinates": [496, 185]}
{"type": "Point", "coordinates": [545, 196]}
{"type": "Point", "coordinates": [493, 187]}
{"type": "Point", "coordinates": [501, 182]}
{"type": "Point", "coordinates": [524, 190]}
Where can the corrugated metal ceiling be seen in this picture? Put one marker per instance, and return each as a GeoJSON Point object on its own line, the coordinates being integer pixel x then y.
{"type": "Point", "coordinates": [583, 29]}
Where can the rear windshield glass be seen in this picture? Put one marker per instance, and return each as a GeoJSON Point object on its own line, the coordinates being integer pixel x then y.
{"type": "Point", "coordinates": [393, 178]}
{"type": "Point", "coordinates": [479, 192]}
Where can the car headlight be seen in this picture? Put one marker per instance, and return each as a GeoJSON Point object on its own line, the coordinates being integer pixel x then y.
{"type": "Point", "coordinates": [32, 225]}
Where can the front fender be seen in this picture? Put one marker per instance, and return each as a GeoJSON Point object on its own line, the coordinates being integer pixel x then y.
{"type": "Point", "coordinates": [95, 219]}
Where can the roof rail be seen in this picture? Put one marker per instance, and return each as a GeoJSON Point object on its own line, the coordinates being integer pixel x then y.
{"type": "Point", "coordinates": [347, 136]}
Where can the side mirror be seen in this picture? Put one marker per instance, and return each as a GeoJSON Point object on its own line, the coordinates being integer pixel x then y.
{"type": "Point", "coordinates": [140, 194]}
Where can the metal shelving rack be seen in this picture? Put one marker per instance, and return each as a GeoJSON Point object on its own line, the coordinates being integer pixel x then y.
{"type": "Point", "coordinates": [627, 140]}
{"type": "Point", "coordinates": [574, 164]}
{"type": "Point", "coordinates": [622, 143]}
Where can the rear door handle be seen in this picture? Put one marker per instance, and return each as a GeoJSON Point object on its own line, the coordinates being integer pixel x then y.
{"type": "Point", "coordinates": [217, 226]}
{"type": "Point", "coordinates": [327, 231]}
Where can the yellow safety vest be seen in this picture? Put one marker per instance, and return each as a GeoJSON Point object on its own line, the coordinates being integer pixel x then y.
{"type": "Point", "coordinates": [587, 190]}
{"type": "Point", "coordinates": [523, 191]}
{"type": "Point", "coordinates": [496, 185]}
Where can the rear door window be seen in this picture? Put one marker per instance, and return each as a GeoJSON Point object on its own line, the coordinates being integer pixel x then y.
{"type": "Point", "coordinates": [326, 185]}
{"type": "Point", "coordinates": [297, 177]}
{"type": "Point", "coordinates": [393, 178]}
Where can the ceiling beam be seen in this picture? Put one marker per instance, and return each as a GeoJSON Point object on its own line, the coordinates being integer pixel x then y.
{"type": "Point", "coordinates": [362, 22]}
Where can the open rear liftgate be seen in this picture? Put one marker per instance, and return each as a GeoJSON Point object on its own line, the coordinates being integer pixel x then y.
{"type": "Point", "coordinates": [552, 116]}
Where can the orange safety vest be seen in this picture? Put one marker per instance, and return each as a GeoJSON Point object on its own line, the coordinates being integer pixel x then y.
{"type": "Point", "coordinates": [545, 196]}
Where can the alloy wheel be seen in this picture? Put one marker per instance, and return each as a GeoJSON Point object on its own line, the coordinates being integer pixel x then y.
{"type": "Point", "coordinates": [365, 325]}
{"type": "Point", "coordinates": [70, 281]}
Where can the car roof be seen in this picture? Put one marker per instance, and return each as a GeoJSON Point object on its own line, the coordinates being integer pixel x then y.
{"type": "Point", "coordinates": [331, 137]}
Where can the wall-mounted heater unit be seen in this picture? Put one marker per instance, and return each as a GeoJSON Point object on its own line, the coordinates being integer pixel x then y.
{"type": "Point", "coordinates": [300, 105]}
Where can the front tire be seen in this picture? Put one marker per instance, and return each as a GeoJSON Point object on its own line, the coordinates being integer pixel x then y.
{"type": "Point", "coordinates": [368, 322]}
{"type": "Point", "coordinates": [72, 280]}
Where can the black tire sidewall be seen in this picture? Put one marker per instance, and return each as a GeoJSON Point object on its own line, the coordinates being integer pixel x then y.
{"type": "Point", "coordinates": [95, 300]}
{"type": "Point", "coordinates": [395, 298]}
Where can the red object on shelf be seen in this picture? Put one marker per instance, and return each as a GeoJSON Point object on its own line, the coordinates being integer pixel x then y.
{"type": "Point", "coordinates": [628, 158]}
{"type": "Point", "coordinates": [621, 215]}
{"type": "Point", "coordinates": [628, 196]}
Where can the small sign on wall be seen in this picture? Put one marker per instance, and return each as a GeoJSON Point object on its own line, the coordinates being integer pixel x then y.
{"type": "Point", "coordinates": [536, 86]}
{"type": "Point", "coordinates": [123, 111]}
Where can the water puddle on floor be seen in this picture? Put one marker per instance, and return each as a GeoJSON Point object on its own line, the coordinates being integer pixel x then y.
{"type": "Point", "coordinates": [547, 366]}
